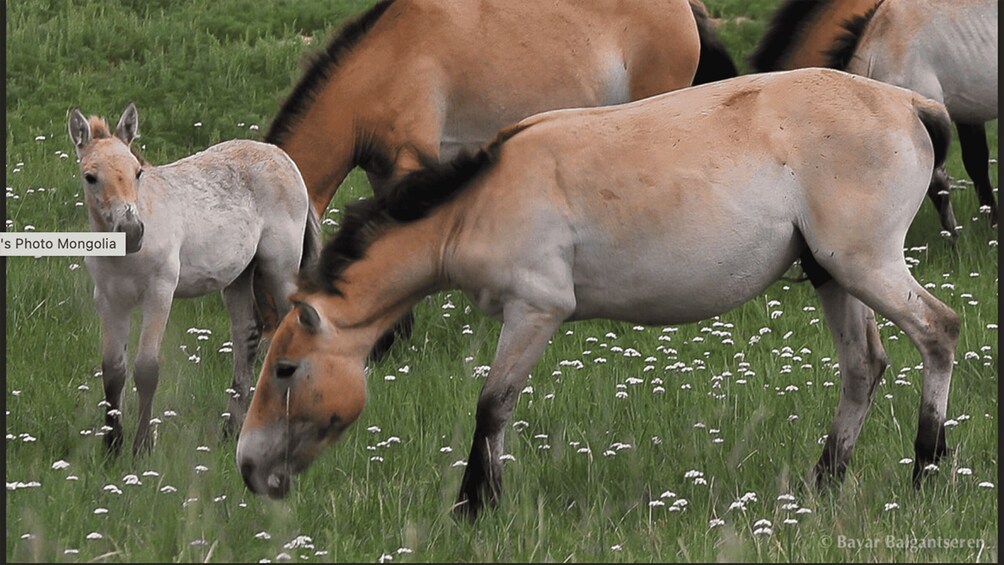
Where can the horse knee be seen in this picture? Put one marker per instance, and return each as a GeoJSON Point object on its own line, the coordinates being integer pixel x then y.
{"type": "Point", "coordinates": [147, 375]}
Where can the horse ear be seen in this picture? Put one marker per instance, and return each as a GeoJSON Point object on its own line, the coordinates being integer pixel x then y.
{"type": "Point", "coordinates": [309, 318]}
{"type": "Point", "coordinates": [128, 128]}
{"type": "Point", "coordinates": [80, 130]}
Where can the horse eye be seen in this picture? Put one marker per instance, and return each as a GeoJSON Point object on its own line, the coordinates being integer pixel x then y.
{"type": "Point", "coordinates": [91, 178]}
{"type": "Point", "coordinates": [285, 369]}
{"type": "Point", "coordinates": [138, 173]}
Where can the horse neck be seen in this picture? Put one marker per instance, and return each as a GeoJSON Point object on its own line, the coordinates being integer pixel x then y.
{"type": "Point", "coordinates": [819, 34]}
{"type": "Point", "coordinates": [399, 268]}
{"type": "Point", "coordinates": [322, 144]}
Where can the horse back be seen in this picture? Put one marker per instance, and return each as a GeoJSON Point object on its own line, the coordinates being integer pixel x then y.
{"type": "Point", "coordinates": [529, 57]}
{"type": "Point", "coordinates": [943, 50]}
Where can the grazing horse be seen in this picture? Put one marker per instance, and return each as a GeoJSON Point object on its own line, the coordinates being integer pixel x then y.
{"type": "Point", "coordinates": [410, 80]}
{"type": "Point", "coordinates": [944, 50]}
{"type": "Point", "coordinates": [234, 217]}
{"type": "Point", "coordinates": [413, 80]}
{"type": "Point", "coordinates": [658, 211]}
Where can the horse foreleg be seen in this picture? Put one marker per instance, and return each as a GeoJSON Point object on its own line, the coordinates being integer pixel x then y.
{"type": "Point", "coordinates": [525, 332]}
{"type": "Point", "coordinates": [114, 339]}
{"type": "Point", "coordinates": [862, 361]}
{"type": "Point", "coordinates": [156, 309]}
{"type": "Point", "coordinates": [975, 157]}
{"type": "Point", "coordinates": [245, 334]}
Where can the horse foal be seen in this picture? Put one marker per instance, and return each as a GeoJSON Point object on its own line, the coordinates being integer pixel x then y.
{"type": "Point", "coordinates": [235, 217]}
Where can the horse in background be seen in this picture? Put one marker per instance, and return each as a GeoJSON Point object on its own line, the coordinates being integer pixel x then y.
{"type": "Point", "coordinates": [413, 80]}
{"type": "Point", "coordinates": [660, 211]}
{"type": "Point", "coordinates": [946, 51]}
{"type": "Point", "coordinates": [410, 80]}
{"type": "Point", "coordinates": [235, 217]}
{"type": "Point", "coordinates": [949, 61]}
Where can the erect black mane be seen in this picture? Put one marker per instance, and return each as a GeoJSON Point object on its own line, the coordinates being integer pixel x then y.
{"type": "Point", "coordinates": [411, 198]}
{"type": "Point", "coordinates": [321, 67]}
{"type": "Point", "coordinates": [839, 55]}
{"type": "Point", "coordinates": [783, 30]}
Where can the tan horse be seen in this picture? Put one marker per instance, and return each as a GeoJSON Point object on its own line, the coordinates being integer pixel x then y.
{"type": "Point", "coordinates": [658, 211]}
{"type": "Point", "coordinates": [415, 79]}
{"type": "Point", "coordinates": [950, 53]}
{"type": "Point", "coordinates": [234, 217]}
{"type": "Point", "coordinates": [946, 51]}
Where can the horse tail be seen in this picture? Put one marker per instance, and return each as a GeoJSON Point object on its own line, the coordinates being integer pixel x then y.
{"type": "Point", "coordinates": [311, 241]}
{"type": "Point", "coordinates": [714, 63]}
{"type": "Point", "coordinates": [839, 55]}
{"type": "Point", "coordinates": [938, 124]}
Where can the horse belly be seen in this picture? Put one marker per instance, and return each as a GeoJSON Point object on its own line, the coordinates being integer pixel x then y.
{"type": "Point", "coordinates": [676, 280]}
{"type": "Point", "coordinates": [211, 264]}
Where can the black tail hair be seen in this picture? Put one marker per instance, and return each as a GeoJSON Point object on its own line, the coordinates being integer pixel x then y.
{"type": "Point", "coordinates": [715, 62]}
{"type": "Point", "coordinates": [938, 124]}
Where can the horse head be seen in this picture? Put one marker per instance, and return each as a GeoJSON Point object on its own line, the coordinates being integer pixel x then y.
{"type": "Point", "coordinates": [110, 172]}
{"type": "Point", "coordinates": [312, 387]}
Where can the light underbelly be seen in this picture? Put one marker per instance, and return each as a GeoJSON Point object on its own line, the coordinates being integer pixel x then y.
{"type": "Point", "coordinates": [682, 283]}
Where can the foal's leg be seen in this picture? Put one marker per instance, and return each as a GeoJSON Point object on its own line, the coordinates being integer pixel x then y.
{"type": "Point", "coordinates": [156, 309]}
{"type": "Point", "coordinates": [975, 156]}
{"type": "Point", "coordinates": [525, 332]}
{"type": "Point", "coordinates": [862, 361]}
{"type": "Point", "coordinates": [938, 192]}
{"type": "Point", "coordinates": [114, 338]}
{"type": "Point", "coordinates": [245, 335]}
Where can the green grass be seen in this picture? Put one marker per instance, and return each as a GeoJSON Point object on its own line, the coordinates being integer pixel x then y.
{"type": "Point", "coordinates": [765, 386]}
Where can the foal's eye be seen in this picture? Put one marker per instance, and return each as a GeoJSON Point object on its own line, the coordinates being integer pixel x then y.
{"type": "Point", "coordinates": [91, 178]}
{"type": "Point", "coordinates": [285, 369]}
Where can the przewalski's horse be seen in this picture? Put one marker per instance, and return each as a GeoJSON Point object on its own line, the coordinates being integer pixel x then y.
{"type": "Point", "coordinates": [658, 211]}
{"type": "Point", "coordinates": [940, 58]}
{"type": "Point", "coordinates": [413, 80]}
{"type": "Point", "coordinates": [946, 51]}
{"type": "Point", "coordinates": [234, 217]}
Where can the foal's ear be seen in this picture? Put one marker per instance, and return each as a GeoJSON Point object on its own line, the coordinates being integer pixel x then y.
{"type": "Point", "coordinates": [128, 128]}
{"type": "Point", "coordinates": [80, 130]}
{"type": "Point", "coordinates": [309, 318]}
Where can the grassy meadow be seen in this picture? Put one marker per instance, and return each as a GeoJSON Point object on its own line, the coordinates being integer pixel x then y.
{"type": "Point", "coordinates": [628, 444]}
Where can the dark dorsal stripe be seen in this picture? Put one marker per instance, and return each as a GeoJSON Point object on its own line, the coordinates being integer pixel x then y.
{"type": "Point", "coordinates": [783, 30]}
{"type": "Point", "coordinates": [411, 198]}
{"type": "Point", "coordinates": [321, 67]}
{"type": "Point", "coordinates": [839, 55]}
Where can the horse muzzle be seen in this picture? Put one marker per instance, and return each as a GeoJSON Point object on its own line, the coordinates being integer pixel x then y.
{"type": "Point", "coordinates": [134, 234]}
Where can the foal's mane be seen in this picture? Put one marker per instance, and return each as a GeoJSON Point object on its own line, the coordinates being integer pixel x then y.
{"type": "Point", "coordinates": [99, 130]}
{"type": "Point", "coordinates": [839, 55]}
{"type": "Point", "coordinates": [411, 198]}
{"type": "Point", "coordinates": [321, 66]}
{"type": "Point", "coordinates": [780, 36]}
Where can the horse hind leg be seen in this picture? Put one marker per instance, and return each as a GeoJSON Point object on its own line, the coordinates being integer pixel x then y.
{"type": "Point", "coordinates": [975, 156]}
{"type": "Point", "coordinates": [880, 278]}
{"type": "Point", "coordinates": [245, 335]}
{"type": "Point", "coordinates": [938, 192]}
{"type": "Point", "coordinates": [862, 361]}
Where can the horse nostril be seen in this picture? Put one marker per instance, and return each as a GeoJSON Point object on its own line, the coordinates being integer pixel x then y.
{"type": "Point", "coordinates": [247, 471]}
